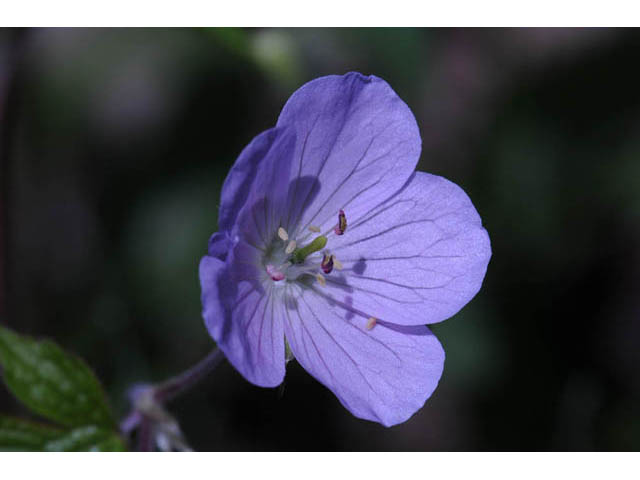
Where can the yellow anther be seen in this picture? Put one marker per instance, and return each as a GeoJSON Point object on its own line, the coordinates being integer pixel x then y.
{"type": "Point", "coordinates": [314, 229]}
{"type": "Point", "coordinates": [321, 280]}
{"type": "Point", "coordinates": [282, 233]}
{"type": "Point", "coordinates": [337, 263]}
{"type": "Point", "coordinates": [371, 323]}
{"type": "Point", "coordinates": [291, 247]}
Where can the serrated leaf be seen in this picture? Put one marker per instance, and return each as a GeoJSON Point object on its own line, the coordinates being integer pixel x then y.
{"type": "Point", "coordinates": [89, 438]}
{"type": "Point", "coordinates": [23, 435]}
{"type": "Point", "coordinates": [52, 382]}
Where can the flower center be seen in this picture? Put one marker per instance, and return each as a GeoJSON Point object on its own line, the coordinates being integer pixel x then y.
{"type": "Point", "coordinates": [285, 260]}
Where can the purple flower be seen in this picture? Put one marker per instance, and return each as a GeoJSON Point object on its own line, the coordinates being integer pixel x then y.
{"type": "Point", "coordinates": [333, 249]}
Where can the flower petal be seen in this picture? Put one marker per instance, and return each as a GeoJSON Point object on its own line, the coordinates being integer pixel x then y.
{"type": "Point", "coordinates": [243, 319]}
{"type": "Point", "coordinates": [262, 165]}
{"type": "Point", "coordinates": [259, 218]}
{"type": "Point", "coordinates": [416, 259]}
{"type": "Point", "coordinates": [219, 245]}
{"type": "Point", "coordinates": [237, 185]}
{"type": "Point", "coordinates": [356, 138]}
{"type": "Point", "coordinates": [384, 374]}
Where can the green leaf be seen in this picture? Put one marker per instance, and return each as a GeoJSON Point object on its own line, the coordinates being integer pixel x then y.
{"type": "Point", "coordinates": [89, 438]}
{"type": "Point", "coordinates": [23, 435]}
{"type": "Point", "coordinates": [51, 382]}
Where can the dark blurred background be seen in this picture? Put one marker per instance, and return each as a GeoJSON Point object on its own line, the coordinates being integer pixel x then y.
{"type": "Point", "coordinates": [114, 146]}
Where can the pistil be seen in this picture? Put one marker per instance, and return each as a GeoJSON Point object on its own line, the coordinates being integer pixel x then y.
{"type": "Point", "coordinates": [291, 262]}
{"type": "Point", "coordinates": [317, 244]}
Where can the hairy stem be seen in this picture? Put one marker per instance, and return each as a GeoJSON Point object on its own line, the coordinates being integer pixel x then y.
{"type": "Point", "coordinates": [174, 386]}
{"type": "Point", "coordinates": [148, 414]}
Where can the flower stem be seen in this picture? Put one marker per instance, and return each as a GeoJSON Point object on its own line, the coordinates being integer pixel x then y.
{"type": "Point", "coordinates": [174, 386]}
{"type": "Point", "coordinates": [148, 413]}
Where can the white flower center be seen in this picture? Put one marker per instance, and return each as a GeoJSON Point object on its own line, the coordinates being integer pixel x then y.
{"type": "Point", "coordinates": [285, 260]}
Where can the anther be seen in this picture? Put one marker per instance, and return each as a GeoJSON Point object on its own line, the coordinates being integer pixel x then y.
{"type": "Point", "coordinates": [275, 274]}
{"type": "Point", "coordinates": [321, 280]}
{"type": "Point", "coordinates": [371, 323]}
{"type": "Point", "coordinates": [341, 227]}
{"type": "Point", "coordinates": [314, 229]}
{"type": "Point", "coordinates": [291, 247]}
{"type": "Point", "coordinates": [336, 263]}
{"type": "Point", "coordinates": [282, 233]}
{"type": "Point", "coordinates": [327, 263]}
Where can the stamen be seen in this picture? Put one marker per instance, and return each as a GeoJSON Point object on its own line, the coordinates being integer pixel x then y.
{"type": "Point", "coordinates": [337, 263]}
{"type": "Point", "coordinates": [314, 229]}
{"type": "Point", "coordinates": [321, 280]}
{"type": "Point", "coordinates": [371, 323]}
{"type": "Point", "coordinates": [282, 233]}
{"type": "Point", "coordinates": [275, 274]}
{"type": "Point", "coordinates": [327, 263]}
{"type": "Point", "coordinates": [341, 227]}
{"type": "Point", "coordinates": [291, 247]}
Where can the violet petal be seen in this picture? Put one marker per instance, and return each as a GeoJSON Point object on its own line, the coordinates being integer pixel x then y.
{"type": "Point", "coordinates": [259, 218]}
{"type": "Point", "coordinates": [356, 138]}
{"type": "Point", "coordinates": [240, 178]}
{"type": "Point", "coordinates": [416, 259]}
{"type": "Point", "coordinates": [383, 374]}
{"type": "Point", "coordinates": [243, 319]}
